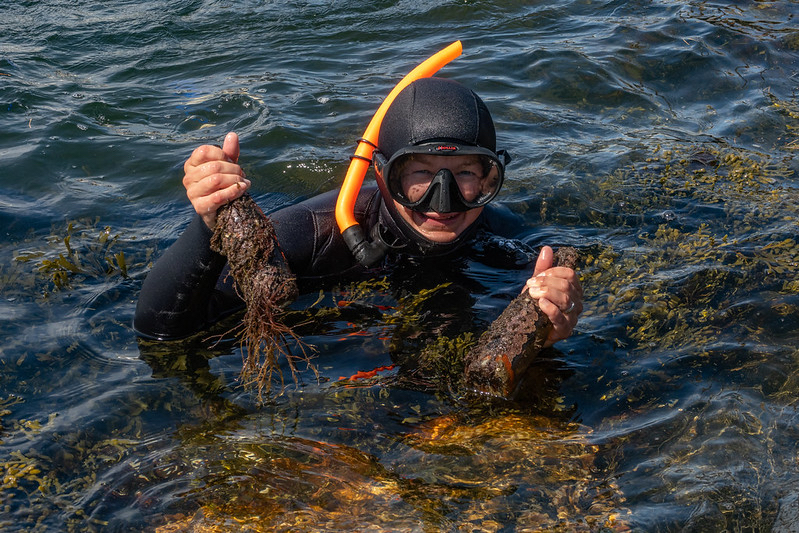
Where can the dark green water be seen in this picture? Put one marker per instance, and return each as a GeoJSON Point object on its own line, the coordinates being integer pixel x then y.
{"type": "Point", "coordinates": [657, 137]}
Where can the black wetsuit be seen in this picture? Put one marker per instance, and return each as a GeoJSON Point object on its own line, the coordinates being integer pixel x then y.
{"type": "Point", "coordinates": [187, 289]}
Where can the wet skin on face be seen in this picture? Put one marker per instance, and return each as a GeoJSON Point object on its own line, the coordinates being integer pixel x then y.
{"type": "Point", "coordinates": [416, 176]}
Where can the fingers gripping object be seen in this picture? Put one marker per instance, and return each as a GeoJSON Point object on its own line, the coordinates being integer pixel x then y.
{"type": "Point", "coordinates": [366, 251]}
{"type": "Point", "coordinates": [496, 364]}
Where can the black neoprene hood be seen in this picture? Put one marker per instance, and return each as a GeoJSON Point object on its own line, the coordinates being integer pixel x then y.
{"type": "Point", "coordinates": [432, 110]}
{"type": "Point", "coordinates": [431, 115]}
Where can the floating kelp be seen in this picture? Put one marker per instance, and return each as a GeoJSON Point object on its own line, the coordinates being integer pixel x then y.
{"type": "Point", "coordinates": [56, 475]}
{"type": "Point", "coordinates": [247, 238]}
{"type": "Point", "coordinates": [83, 250]}
{"type": "Point", "coordinates": [716, 223]}
{"type": "Point", "coordinates": [21, 475]}
{"type": "Point", "coordinates": [439, 365]}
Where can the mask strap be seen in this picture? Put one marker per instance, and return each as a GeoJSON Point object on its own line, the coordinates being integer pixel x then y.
{"type": "Point", "coordinates": [368, 252]}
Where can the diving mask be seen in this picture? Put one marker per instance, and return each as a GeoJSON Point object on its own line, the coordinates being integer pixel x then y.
{"type": "Point", "coordinates": [444, 178]}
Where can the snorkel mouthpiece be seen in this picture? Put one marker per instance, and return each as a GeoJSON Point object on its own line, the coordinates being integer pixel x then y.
{"type": "Point", "coordinates": [369, 252]}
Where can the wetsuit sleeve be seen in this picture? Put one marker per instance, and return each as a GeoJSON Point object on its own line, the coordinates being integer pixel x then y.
{"type": "Point", "coordinates": [185, 291]}
{"type": "Point", "coordinates": [188, 289]}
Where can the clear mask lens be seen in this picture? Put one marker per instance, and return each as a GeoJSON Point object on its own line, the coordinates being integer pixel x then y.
{"type": "Point", "coordinates": [444, 183]}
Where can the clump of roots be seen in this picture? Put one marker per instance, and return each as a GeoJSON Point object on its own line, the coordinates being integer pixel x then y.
{"type": "Point", "coordinates": [247, 238]}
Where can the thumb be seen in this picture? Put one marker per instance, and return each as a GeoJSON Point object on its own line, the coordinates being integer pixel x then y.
{"type": "Point", "coordinates": [231, 146]}
{"type": "Point", "coordinates": [544, 261]}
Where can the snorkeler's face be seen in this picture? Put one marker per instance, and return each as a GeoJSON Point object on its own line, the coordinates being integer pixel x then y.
{"type": "Point", "coordinates": [467, 171]}
{"type": "Point", "coordinates": [439, 227]}
{"type": "Point", "coordinates": [443, 183]}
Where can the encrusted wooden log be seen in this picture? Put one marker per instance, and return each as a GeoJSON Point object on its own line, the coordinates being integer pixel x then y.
{"type": "Point", "coordinates": [506, 349]}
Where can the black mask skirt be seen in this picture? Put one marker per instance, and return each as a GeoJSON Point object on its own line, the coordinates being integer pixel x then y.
{"type": "Point", "coordinates": [437, 117]}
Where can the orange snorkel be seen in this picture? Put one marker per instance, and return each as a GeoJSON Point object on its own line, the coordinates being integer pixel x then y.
{"type": "Point", "coordinates": [365, 251]}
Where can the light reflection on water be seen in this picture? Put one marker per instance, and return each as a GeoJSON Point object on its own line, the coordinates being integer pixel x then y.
{"type": "Point", "coordinates": [657, 138]}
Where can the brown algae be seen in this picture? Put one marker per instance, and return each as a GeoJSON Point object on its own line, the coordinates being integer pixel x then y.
{"type": "Point", "coordinates": [247, 238]}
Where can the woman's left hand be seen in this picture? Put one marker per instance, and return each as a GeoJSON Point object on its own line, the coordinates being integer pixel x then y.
{"type": "Point", "coordinates": [559, 295]}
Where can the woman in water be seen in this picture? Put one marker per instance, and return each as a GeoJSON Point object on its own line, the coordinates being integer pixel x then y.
{"type": "Point", "coordinates": [437, 170]}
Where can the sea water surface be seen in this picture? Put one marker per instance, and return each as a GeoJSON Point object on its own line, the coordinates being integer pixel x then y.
{"type": "Point", "coordinates": [658, 137]}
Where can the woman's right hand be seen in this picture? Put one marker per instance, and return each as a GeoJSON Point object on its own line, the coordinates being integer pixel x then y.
{"type": "Point", "coordinates": [212, 177]}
